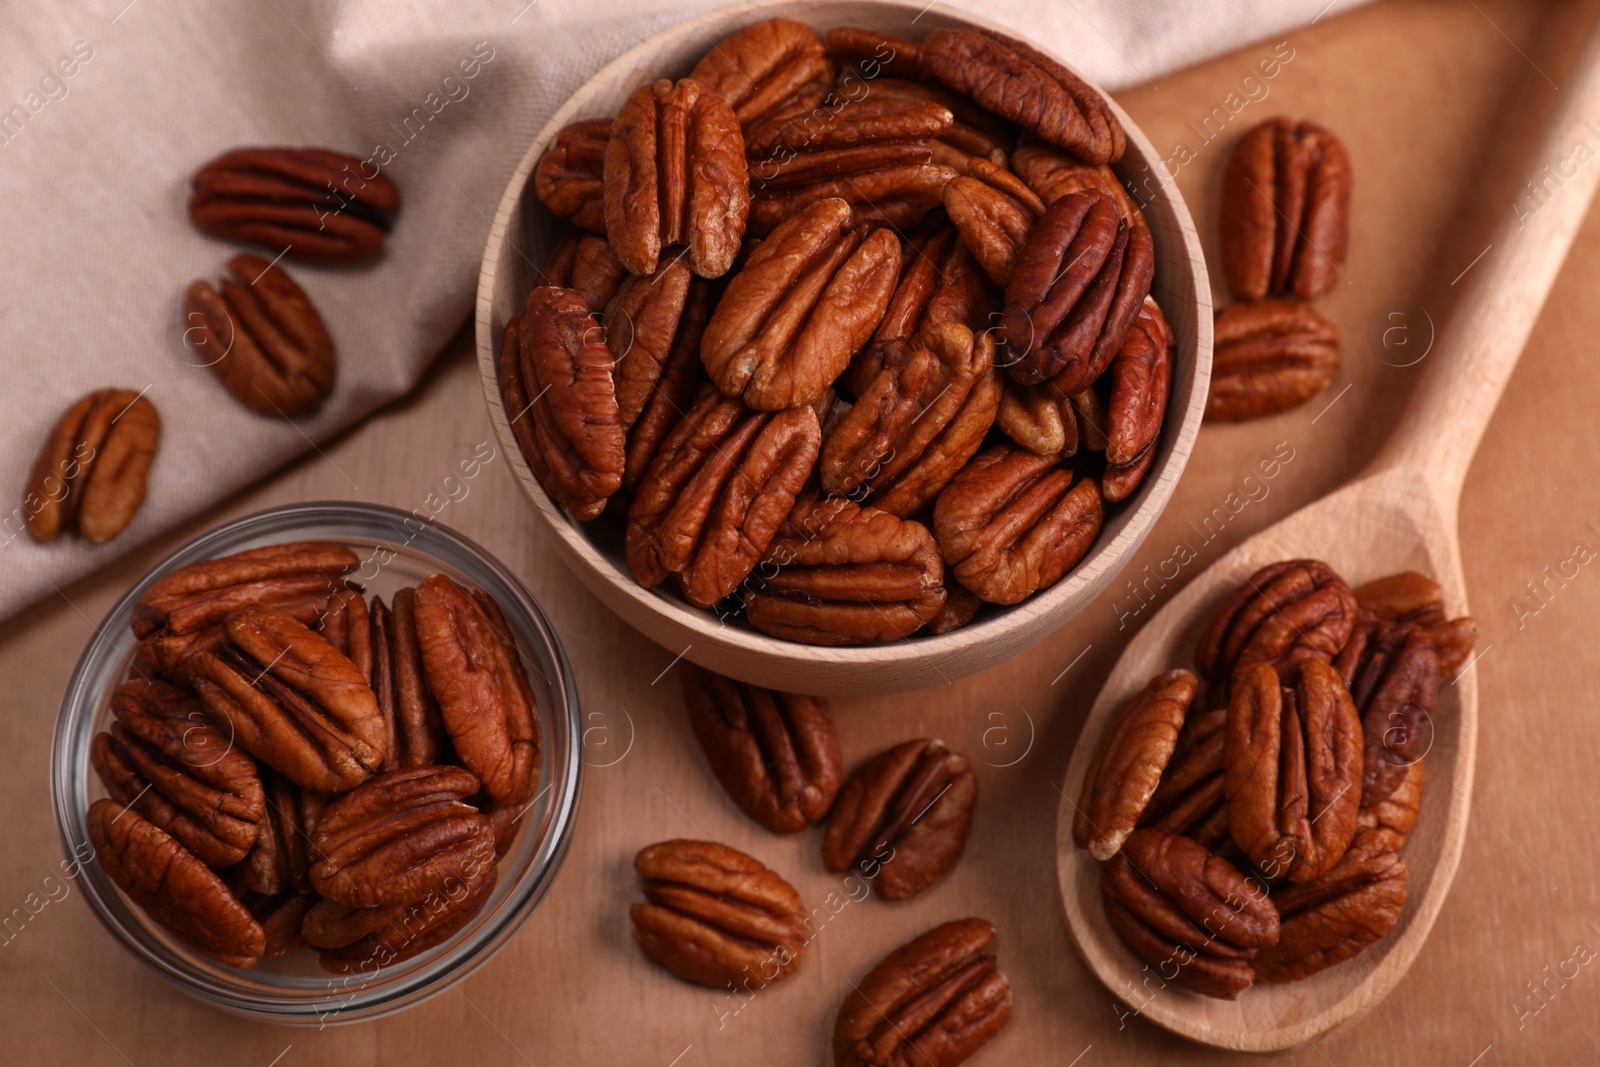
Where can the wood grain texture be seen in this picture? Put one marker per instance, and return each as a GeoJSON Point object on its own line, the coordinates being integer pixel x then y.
{"type": "Point", "coordinates": [523, 231]}
{"type": "Point", "coordinates": [1439, 111]}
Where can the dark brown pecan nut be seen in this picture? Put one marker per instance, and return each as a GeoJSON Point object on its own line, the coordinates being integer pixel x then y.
{"type": "Point", "coordinates": [280, 861]}
{"type": "Point", "coordinates": [585, 262]}
{"type": "Point", "coordinates": [1190, 799]}
{"type": "Point", "coordinates": [716, 916]}
{"type": "Point", "coordinates": [1283, 613]}
{"type": "Point", "coordinates": [672, 393]}
{"type": "Point", "coordinates": [395, 933]}
{"type": "Point", "coordinates": [415, 726]}
{"type": "Point", "coordinates": [848, 137]}
{"type": "Point", "coordinates": [873, 54]}
{"type": "Point", "coordinates": [775, 753]}
{"type": "Point", "coordinates": [199, 595]}
{"type": "Point", "coordinates": [1337, 916]}
{"type": "Point", "coordinates": [1392, 672]}
{"type": "Point", "coordinates": [675, 174]}
{"type": "Point", "coordinates": [569, 179]}
{"type": "Point", "coordinates": [1292, 761]}
{"type": "Point", "coordinates": [475, 673]}
{"type": "Point", "coordinates": [939, 282]}
{"type": "Point", "coordinates": [901, 411]}
{"type": "Point", "coordinates": [262, 337]}
{"type": "Point", "coordinates": [806, 300]}
{"type": "Point", "coordinates": [292, 700]}
{"type": "Point", "coordinates": [560, 396]}
{"type": "Point", "coordinates": [934, 1001]}
{"type": "Point", "coordinates": [92, 472]}
{"type": "Point", "coordinates": [311, 203]}
{"type": "Point", "coordinates": [881, 190]}
{"type": "Point", "coordinates": [172, 886]}
{"type": "Point", "coordinates": [1409, 597]}
{"type": "Point", "coordinates": [1075, 292]}
{"type": "Point", "coordinates": [164, 759]}
{"type": "Point", "coordinates": [994, 211]}
{"type": "Point", "coordinates": [641, 326]}
{"type": "Point", "coordinates": [1140, 379]}
{"type": "Point", "coordinates": [960, 605]}
{"type": "Point", "coordinates": [840, 574]}
{"type": "Point", "coordinates": [1394, 817]}
{"type": "Point", "coordinates": [902, 818]}
{"type": "Point", "coordinates": [1188, 913]}
{"type": "Point", "coordinates": [975, 134]}
{"type": "Point", "coordinates": [1285, 211]}
{"type": "Point", "coordinates": [1052, 174]}
{"type": "Point", "coordinates": [769, 69]}
{"type": "Point", "coordinates": [716, 493]}
{"type": "Point", "coordinates": [1129, 763]}
{"type": "Point", "coordinates": [1012, 523]}
{"type": "Point", "coordinates": [1271, 355]}
{"type": "Point", "coordinates": [1018, 82]}
{"type": "Point", "coordinates": [398, 837]}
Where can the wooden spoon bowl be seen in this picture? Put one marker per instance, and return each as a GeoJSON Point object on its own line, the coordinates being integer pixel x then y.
{"type": "Point", "coordinates": [1399, 515]}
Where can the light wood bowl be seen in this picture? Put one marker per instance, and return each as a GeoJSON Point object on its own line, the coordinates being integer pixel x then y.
{"type": "Point", "coordinates": [521, 235]}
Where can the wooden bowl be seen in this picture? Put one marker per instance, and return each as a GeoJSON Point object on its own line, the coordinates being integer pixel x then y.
{"type": "Point", "coordinates": [521, 235]}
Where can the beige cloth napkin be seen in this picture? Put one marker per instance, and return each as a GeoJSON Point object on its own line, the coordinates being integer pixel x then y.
{"type": "Point", "coordinates": [108, 107]}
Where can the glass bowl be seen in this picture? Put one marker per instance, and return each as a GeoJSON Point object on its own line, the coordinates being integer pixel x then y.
{"type": "Point", "coordinates": [397, 549]}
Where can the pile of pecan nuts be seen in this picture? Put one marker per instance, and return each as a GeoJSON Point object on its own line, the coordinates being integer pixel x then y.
{"type": "Point", "coordinates": [293, 765]}
{"type": "Point", "coordinates": [853, 335]}
{"type": "Point", "coordinates": [1251, 817]}
{"type": "Point", "coordinates": [716, 916]}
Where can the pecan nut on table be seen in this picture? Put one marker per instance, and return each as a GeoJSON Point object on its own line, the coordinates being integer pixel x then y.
{"type": "Point", "coordinates": [1252, 818]}
{"type": "Point", "coordinates": [293, 764]}
{"type": "Point", "coordinates": [819, 285]}
{"type": "Point", "coordinates": [93, 470]}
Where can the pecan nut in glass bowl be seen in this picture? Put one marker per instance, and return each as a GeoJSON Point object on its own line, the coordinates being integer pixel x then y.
{"type": "Point", "coordinates": [900, 277]}
{"type": "Point", "coordinates": [406, 844]}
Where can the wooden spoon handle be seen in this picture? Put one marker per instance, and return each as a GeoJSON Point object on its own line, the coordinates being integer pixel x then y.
{"type": "Point", "coordinates": [1505, 291]}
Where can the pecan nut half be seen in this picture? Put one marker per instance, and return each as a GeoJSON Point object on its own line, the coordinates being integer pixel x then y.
{"type": "Point", "coordinates": [1012, 523]}
{"type": "Point", "coordinates": [1052, 174]}
{"type": "Point", "coordinates": [1075, 292]}
{"type": "Point", "coordinates": [394, 933]}
{"type": "Point", "coordinates": [1128, 765]}
{"type": "Point", "coordinates": [933, 1001]}
{"type": "Point", "coordinates": [198, 596]}
{"type": "Point", "coordinates": [92, 473]}
{"type": "Point", "coordinates": [975, 134]}
{"type": "Point", "coordinates": [675, 174]}
{"type": "Point", "coordinates": [415, 726]}
{"type": "Point", "coordinates": [1188, 913]}
{"type": "Point", "coordinates": [1283, 613]}
{"type": "Point", "coordinates": [1285, 211]}
{"type": "Point", "coordinates": [172, 886]}
{"type": "Point", "coordinates": [1329, 920]}
{"type": "Point", "coordinates": [774, 68]}
{"type": "Point", "coordinates": [716, 916]}
{"type": "Point", "coordinates": [1292, 764]}
{"type": "Point", "coordinates": [292, 700]}
{"type": "Point", "coordinates": [716, 493]}
{"type": "Point", "coordinates": [1409, 597]}
{"type": "Point", "coordinates": [841, 574]}
{"type": "Point", "coordinates": [570, 177]}
{"type": "Point", "coordinates": [397, 838]}
{"type": "Point", "coordinates": [262, 337]}
{"type": "Point", "coordinates": [164, 759]}
{"type": "Point", "coordinates": [994, 211]}
{"type": "Point", "coordinates": [560, 396]}
{"type": "Point", "coordinates": [310, 202]}
{"type": "Point", "coordinates": [1018, 82]}
{"type": "Point", "coordinates": [1190, 799]}
{"type": "Point", "coordinates": [808, 297]}
{"type": "Point", "coordinates": [1392, 672]}
{"type": "Point", "coordinates": [585, 262]}
{"type": "Point", "coordinates": [1271, 355]}
{"type": "Point", "coordinates": [475, 673]}
{"type": "Point", "coordinates": [881, 185]}
{"type": "Point", "coordinates": [775, 753]}
{"type": "Point", "coordinates": [673, 390]}
{"type": "Point", "coordinates": [641, 328]}
{"type": "Point", "coordinates": [874, 54]}
{"type": "Point", "coordinates": [1141, 377]}
{"type": "Point", "coordinates": [902, 818]}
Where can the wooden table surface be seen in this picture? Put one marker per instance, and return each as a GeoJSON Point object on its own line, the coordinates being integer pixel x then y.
{"type": "Point", "coordinates": [1437, 101]}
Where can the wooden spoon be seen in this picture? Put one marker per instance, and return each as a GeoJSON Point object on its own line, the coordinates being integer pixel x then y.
{"type": "Point", "coordinates": [1400, 514]}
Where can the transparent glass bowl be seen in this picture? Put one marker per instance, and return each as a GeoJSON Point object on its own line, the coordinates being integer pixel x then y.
{"type": "Point", "coordinates": [396, 550]}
